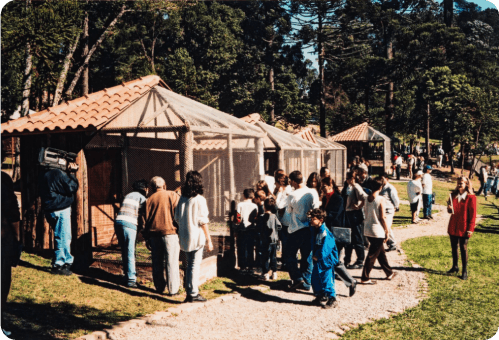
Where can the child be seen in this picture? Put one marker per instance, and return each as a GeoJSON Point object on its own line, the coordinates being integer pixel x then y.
{"type": "Point", "coordinates": [259, 198]}
{"type": "Point", "coordinates": [247, 212]}
{"type": "Point", "coordinates": [268, 226]}
{"type": "Point", "coordinates": [325, 257]}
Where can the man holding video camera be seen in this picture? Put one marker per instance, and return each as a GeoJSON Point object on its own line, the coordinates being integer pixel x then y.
{"type": "Point", "coordinates": [57, 189]}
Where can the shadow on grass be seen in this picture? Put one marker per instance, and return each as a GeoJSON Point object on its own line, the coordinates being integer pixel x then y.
{"type": "Point", "coordinates": [35, 321]}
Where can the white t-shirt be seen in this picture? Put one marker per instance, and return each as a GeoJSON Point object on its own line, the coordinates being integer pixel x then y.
{"type": "Point", "coordinates": [191, 214]}
{"type": "Point", "coordinates": [427, 184]}
{"type": "Point", "coordinates": [270, 182]}
{"type": "Point", "coordinates": [281, 200]}
{"type": "Point", "coordinates": [414, 187]}
{"type": "Point", "coordinates": [248, 211]}
{"type": "Point", "coordinates": [300, 202]}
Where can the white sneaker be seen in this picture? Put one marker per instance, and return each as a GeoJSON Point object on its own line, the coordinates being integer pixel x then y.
{"type": "Point", "coordinates": [274, 276]}
{"type": "Point", "coordinates": [266, 277]}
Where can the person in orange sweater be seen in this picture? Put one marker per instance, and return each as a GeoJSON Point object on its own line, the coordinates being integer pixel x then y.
{"type": "Point", "coordinates": [462, 206]}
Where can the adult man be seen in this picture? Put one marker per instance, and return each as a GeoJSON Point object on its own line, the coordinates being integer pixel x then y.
{"type": "Point", "coordinates": [440, 154]}
{"type": "Point", "coordinates": [427, 184]}
{"type": "Point", "coordinates": [398, 164]}
{"type": "Point", "coordinates": [10, 238]}
{"type": "Point", "coordinates": [411, 161]}
{"type": "Point", "coordinates": [300, 202]}
{"type": "Point", "coordinates": [414, 190]}
{"type": "Point", "coordinates": [57, 189]}
{"type": "Point", "coordinates": [483, 176]}
{"type": "Point", "coordinates": [126, 225]}
{"type": "Point", "coordinates": [364, 179]}
{"type": "Point", "coordinates": [390, 194]}
{"type": "Point", "coordinates": [162, 236]}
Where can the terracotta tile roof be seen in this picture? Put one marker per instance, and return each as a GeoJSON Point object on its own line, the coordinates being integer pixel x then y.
{"type": "Point", "coordinates": [252, 118]}
{"type": "Point", "coordinates": [306, 134]}
{"type": "Point", "coordinates": [87, 112]}
{"type": "Point", "coordinates": [356, 133]}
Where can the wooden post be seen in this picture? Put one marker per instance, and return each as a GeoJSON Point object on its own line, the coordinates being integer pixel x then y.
{"type": "Point", "coordinates": [124, 164]}
{"type": "Point", "coordinates": [186, 156]}
{"type": "Point", "coordinates": [261, 158]}
{"type": "Point", "coordinates": [281, 164]}
{"type": "Point", "coordinates": [302, 164]}
{"type": "Point", "coordinates": [232, 181]}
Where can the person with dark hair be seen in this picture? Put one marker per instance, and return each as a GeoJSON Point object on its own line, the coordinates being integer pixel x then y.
{"type": "Point", "coordinates": [325, 258]}
{"type": "Point", "coordinates": [247, 213]}
{"type": "Point", "coordinates": [324, 172]}
{"type": "Point", "coordinates": [313, 182]}
{"type": "Point", "coordinates": [427, 184]}
{"type": "Point", "coordinates": [161, 236]}
{"type": "Point", "coordinates": [262, 185]}
{"type": "Point", "coordinates": [389, 192]}
{"type": "Point", "coordinates": [398, 166]}
{"type": "Point", "coordinates": [281, 193]}
{"type": "Point", "coordinates": [354, 219]}
{"type": "Point", "coordinates": [126, 225]}
{"type": "Point", "coordinates": [332, 204]}
{"type": "Point", "coordinates": [300, 202]}
{"type": "Point", "coordinates": [57, 189]}
{"type": "Point", "coordinates": [376, 230]}
{"type": "Point", "coordinates": [462, 206]}
{"type": "Point", "coordinates": [268, 227]}
{"type": "Point", "coordinates": [11, 244]}
{"type": "Point", "coordinates": [259, 198]}
{"type": "Point", "coordinates": [191, 215]}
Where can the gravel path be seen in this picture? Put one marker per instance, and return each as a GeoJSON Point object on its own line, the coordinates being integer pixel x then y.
{"type": "Point", "coordinates": [263, 313]}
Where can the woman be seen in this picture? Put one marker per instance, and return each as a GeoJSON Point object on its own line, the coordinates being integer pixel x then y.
{"type": "Point", "coordinates": [462, 223]}
{"type": "Point", "coordinates": [281, 193]}
{"type": "Point", "coordinates": [355, 197]}
{"type": "Point", "coordinates": [262, 185]}
{"type": "Point", "coordinates": [324, 172]}
{"type": "Point", "coordinates": [313, 182]}
{"type": "Point", "coordinates": [191, 215]}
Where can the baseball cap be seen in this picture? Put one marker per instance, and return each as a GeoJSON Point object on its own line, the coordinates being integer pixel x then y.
{"type": "Point", "coordinates": [419, 173]}
{"type": "Point", "coordinates": [428, 167]}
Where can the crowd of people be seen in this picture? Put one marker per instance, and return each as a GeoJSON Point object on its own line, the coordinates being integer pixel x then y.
{"type": "Point", "coordinates": [285, 212]}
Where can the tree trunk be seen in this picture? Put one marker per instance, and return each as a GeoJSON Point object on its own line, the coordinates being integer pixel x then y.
{"type": "Point", "coordinates": [271, 80]}
{"type": "Point", "coordinates": [322, 108]}
{"type": "Point", "coordinates": [78, 73]}
{"type": "Point", "coordinates": [448, 12]}
{"type": "Point", "coordinates": [27, 81]}
{"type": "Point", "coordinates": [427, 139]}
{"type": "Point", "coordinates": [462, 158]}
{"type": "Point", "coordinates": [389, 94]}
{"type": "Point", "coordinates": [64, 72]}
{"type": "Point", "coordinates": [84, 55]}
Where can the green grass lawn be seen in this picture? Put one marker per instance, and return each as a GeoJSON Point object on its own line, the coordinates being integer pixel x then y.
{"type": "Point", "coordinates": [454, 309]}
{"type": "Point", "coordinates": [404, 216]}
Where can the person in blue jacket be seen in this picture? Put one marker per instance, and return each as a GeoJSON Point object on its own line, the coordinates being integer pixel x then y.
{"type": "Point", "coordinates": [325, 257]}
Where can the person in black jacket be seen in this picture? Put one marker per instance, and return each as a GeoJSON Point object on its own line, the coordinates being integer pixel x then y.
{"type": "Point", "coordinates": [11, 247]}
{"type": "Point", "coordinates": [57, 189]}
{"type": "Point", "coordinates": [332, 204]}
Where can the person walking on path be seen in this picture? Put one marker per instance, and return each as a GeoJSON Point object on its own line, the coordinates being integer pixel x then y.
{"type": "Point", "coordinates": [354, 219]}
{"type": "Point", "coordinates": [462, 206]}
{"type": "Point", "coordinates": [191, 215]}
{"type": "Point", "coordinates": [300, 201]}
{"type": "Point", "coordinates": [440, 154]}
{"type": "Point", "coordinates": [376, 230]}
{"type": "Point", "coordinates": [161, 236]}
{"type": "Point", "coordinates": [427, 184]}
{"type": "Point", "coordinates": [325, 258]}
{"type": "Point", "coordinates": [128, 222]}
{"type": "Point", "coordinates": [483, 176]}
{"type": "Point", "coordinates": [11, 245]}
{"type": "Point", "coordinates": [391, 196]}
{"type": "Point", "coordinates": [398, 164]}
{"type": "Point", "coordinates": [414, 190]}
{"type": "Point", "coordinates": [333, 206]}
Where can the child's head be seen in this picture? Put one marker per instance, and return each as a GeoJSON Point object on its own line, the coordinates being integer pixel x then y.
{"type": "Point", "coordinates": [269, 204]}
{"type": "Point", "coordinates": [259, 197]}
{"type": "Point", "coordinates": [316, 217]}
{"type": "Point", "coordinates": [248, 194]}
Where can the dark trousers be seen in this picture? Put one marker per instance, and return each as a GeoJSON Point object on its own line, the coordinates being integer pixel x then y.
{"type": "Point", "coordinates": [299, 240]}
{"type": "Point", "coordinates": [6, 262]}
{"type": "Point", "coordinates": [398, 169]}
{"type": "Point", "coordinates": [283, 237]}
{"type": "Point", "coordinates": [482, 187]}
{"type": "Point", "coordinates": [427, 205]}
{"type": "Point", "coordinates": [245, 246]}
{"type": "Point", "coordinates": [354, 220]}
{"type": "Point", "coordinates": [376, 252]}
{"type": "Point", "coordinates": [343, 274]}
{"type": "Point", "coordinates": [269, 257]}
{"type": "Point", "coordinates": [463, 245]}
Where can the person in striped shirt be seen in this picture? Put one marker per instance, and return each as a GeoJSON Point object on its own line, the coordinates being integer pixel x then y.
{"type": "Point", "coordinates": [126, 224]}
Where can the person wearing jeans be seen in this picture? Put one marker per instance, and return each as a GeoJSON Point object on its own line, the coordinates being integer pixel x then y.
{"type": "Point", "coordinates": [191, 216]}
{"type": "Point", "coordinates": [427, 184]}
{"type": "Point", "coordinates": [389, 192]}
{"type": "Point", "coordinates": [161, 236]}
{"type": "Point", "coordinates": [300, 202]}
{"type": "Point", "coordinates": [126, 225]}
{"type": "Point", "coordinates": [57, 189]}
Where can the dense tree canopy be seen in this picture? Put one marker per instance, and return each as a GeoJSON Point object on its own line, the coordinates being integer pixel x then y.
{"type": "Point", "coordinates": [395, 64]}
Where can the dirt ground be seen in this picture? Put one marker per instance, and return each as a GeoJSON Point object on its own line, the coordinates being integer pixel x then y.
{"type": "Point", "coordinates": [263, 313]}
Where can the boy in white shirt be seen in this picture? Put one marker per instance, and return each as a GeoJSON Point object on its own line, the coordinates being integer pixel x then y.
{"type": "Point", "coordinates": [247, 212]}
{"type": "Point", "coordinates": [427, 184]}
{"type": "Point", "coordinates": [414, 190]}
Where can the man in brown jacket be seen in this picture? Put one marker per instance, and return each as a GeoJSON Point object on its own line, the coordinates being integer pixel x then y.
{"type": "Point", "coordinates": [161, 234]}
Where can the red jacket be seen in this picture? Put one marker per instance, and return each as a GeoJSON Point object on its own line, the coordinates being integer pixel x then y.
{"type": "Point", "coordinates": [463, 219]}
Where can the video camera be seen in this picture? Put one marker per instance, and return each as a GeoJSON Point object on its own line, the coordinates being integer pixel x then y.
{"type": "Point", "coordinates": [56, 159]}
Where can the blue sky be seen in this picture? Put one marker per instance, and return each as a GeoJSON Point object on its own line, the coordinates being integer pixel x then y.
{"type": "Point", "coordinates": [309, 52]}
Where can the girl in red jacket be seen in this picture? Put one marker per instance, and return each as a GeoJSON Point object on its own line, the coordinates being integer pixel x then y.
{"type": "Point", "coordinates": [462, 222]}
